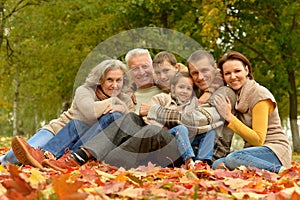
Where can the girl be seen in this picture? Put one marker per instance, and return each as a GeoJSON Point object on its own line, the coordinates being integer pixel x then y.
{"type": "Point", "coordinates": [257, 120]}
{"type": "Point", "coordinates": [181, 98]}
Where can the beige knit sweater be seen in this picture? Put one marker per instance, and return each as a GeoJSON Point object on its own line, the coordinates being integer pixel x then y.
{"type": "Point", "coordinates": [86, 107]}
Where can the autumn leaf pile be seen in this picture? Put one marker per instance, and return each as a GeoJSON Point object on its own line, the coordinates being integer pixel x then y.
{"type": "Point", "coordinates": [97, 180]}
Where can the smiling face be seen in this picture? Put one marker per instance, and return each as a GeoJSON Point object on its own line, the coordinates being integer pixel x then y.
{"type": "Point", "coordinates": [113, 82]}
{"type": "Point", "coordinates": [163, 72]}
{"type": "Point", "coordinates": [234, 74]}
{"type": "Point", "coordinates": [141, 70]}
{"type": "Point", "coordinates": [202, 72]}
{"type": "Point", "coordinates": [183, 89]}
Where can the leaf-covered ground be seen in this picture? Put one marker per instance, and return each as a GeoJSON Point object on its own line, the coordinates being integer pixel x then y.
{"type": "Point", "coordinates": [97, 180]}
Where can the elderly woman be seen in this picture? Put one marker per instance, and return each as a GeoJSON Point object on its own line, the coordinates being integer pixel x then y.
{"type": "Point", "coordinates": [257, 120]}
{"type": "Point", "coordinates": [96, 103]}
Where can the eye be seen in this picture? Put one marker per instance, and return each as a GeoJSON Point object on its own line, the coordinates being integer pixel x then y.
{"type": "Point", "coordinates": [194, 73]}
{"type": "Point", "coordinates": [145, 66]}
{"type": "Point", "coordinates": [134, 69]}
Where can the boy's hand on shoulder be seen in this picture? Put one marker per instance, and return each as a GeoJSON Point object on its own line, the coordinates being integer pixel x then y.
{"type": "Point", "coordinates": [144, 108]}
{"type": "Point", "coordinates": [204, 98]}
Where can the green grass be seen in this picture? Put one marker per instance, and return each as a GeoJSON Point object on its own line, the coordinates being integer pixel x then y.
{"type": "Point", "coordinates": [296, 157]}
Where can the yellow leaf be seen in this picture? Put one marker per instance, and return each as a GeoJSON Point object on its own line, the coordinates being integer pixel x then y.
{"type": "Point", "coordinates": [2, 169]}
{"type": "Point", "coordinates": [36, 178]}
{"type": "Point", "coordinates": [2, 190]}
{"type": "Point", "coordinates": [236, 183]}
{"type": "Point", "coordinates": [131, 192]}
{"type": "Point", "coordinates": [106, 175]}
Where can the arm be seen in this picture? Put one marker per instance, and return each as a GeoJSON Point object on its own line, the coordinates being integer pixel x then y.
{"type": "Point", "coordinates": [158, 99]}
{"type": "Point", "coordinates": [84, 102]}
{"type": "Point", "coordinates": [217, 82]}
{"type": "Point", "coordinates": [168, 117]}
{"type": "Point", "coordinates": [257, 135]}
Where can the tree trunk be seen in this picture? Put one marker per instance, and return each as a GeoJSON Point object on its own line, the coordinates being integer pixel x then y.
{"type": "Point", "coordinates": [15, 111]}
{"type": "Point", "coordinates": [293, 111]}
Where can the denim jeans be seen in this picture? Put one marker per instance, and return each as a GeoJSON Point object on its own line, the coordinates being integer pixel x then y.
{"type": "Point", "coordinates": [181, 134]}
{"type": "Point", "coordinates": [260, 157]}
{"type": "Point", "coordinates": [39, 139]}
{"type": "Point", "coordinates": [76, 132]}
{"type": "Point", "coordinates": [204, 145]}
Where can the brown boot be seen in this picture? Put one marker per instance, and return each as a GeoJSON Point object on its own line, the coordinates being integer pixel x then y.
{"type": "Point", "coordinates": [61, 164]}
{"type": "Point", "coordinates": [26, 154]}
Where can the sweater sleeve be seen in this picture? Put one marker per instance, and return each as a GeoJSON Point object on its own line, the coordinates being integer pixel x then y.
{"type": "Point", "coordinates": [257, 135]}
{"type": "Point", "coordinates": [83, 102]}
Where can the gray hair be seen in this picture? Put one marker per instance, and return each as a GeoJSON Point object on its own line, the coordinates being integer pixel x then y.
{"type": "Point", "coordinates": [137, 52]}
{"type": "Point", "coordinates": [199, 55]}
{"type": "Point", "coordinates": [98, 73]}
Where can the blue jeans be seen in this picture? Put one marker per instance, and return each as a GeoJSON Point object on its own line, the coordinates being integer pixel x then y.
{"type": "Point", "coordinates": [204, 145]}
{"type": "Point", "coordinates": [76, 132]}
{"type": "Point", "coordinates": [39, 139]}
{"type": "Point", "coordinates": [181, 134]}
{"type": "Point", "coordinates": [260, 157]}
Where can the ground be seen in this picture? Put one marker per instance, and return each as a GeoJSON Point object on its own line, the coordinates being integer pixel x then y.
{"type": "Point", "coordinates": [97, 180]}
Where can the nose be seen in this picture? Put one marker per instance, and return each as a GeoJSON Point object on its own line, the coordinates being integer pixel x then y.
{"type": "Point", "coordinates": [163, 76]}
{"type": "Point", "coordinates": [232, 75]}
{"type": "Point", "coordinates": [200, 76]}
{"type": "Point", "coordinates": [115, 84]}
{"type": "Point", "coordinates": [141, 70]}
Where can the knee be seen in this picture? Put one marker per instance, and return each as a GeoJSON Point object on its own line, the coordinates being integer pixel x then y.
{"type": "Point", "coordinates": [182, 129]}
{"type": "Point", "coordinates": [109, 117]}
{"type": "Point", "coordinates": [232, 160]}
{"type": "Point", "coordinates": [116, 115]}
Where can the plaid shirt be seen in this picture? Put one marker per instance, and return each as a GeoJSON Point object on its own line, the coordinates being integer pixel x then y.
{"type": "Point", "coordinates": [170, 118]}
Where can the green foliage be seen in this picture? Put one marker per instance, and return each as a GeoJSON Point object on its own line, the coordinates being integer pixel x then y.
{"type": "Point", "coordinates": [50, 41]}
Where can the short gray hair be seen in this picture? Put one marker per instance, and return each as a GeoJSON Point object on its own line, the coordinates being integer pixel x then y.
{"type": "Point", "coordinates": [199, 55]}
{"type": "Point", "coordinates": [98, 73]}
{"type": "Point", "coordinates": [136, 52]}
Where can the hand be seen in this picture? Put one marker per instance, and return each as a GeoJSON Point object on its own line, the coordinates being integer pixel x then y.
{"type": "Point", "coordinates": [133, 98]}
{"type": "Point", "coordinates": [108, 109]}
{"type": "Point", "coordinates": [223, 106]}
{"type": "Point", "coordinates": [116, 106]}
{"type": "Point", "coordinates": [144, 108]}
{"type": "Point", "coordinates": [204, 97]}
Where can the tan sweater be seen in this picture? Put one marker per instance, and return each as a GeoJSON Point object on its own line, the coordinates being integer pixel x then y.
{"type": "Point", "coordinates": [86, 107]}
{"type": "Point", "coordinates": [145, 95]}
{"type": "Point", "coordinates": [251, 97]}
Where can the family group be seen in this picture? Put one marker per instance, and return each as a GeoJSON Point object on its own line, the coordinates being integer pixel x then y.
{"type": "Point", "coordinates": [160, 111]}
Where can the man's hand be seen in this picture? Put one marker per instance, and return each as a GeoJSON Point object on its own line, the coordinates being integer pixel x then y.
{"type": "Point", "coordinates": [133, 98]}
{"type": "Point", "coordinates": [223, 106]}
{"type": "Point", "coordinates": [144, 108]}
{"type": "Point", "coordinates": [204, 98]}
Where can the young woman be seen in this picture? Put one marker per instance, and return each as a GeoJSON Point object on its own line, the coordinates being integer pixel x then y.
{"type": "Point", "coordinates": [257, 120]}
{"type": "Point", "coordinates": [97, 103]}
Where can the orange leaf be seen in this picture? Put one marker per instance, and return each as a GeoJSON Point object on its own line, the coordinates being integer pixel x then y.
{"type": "Point", "coordinates": [67, 189]}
